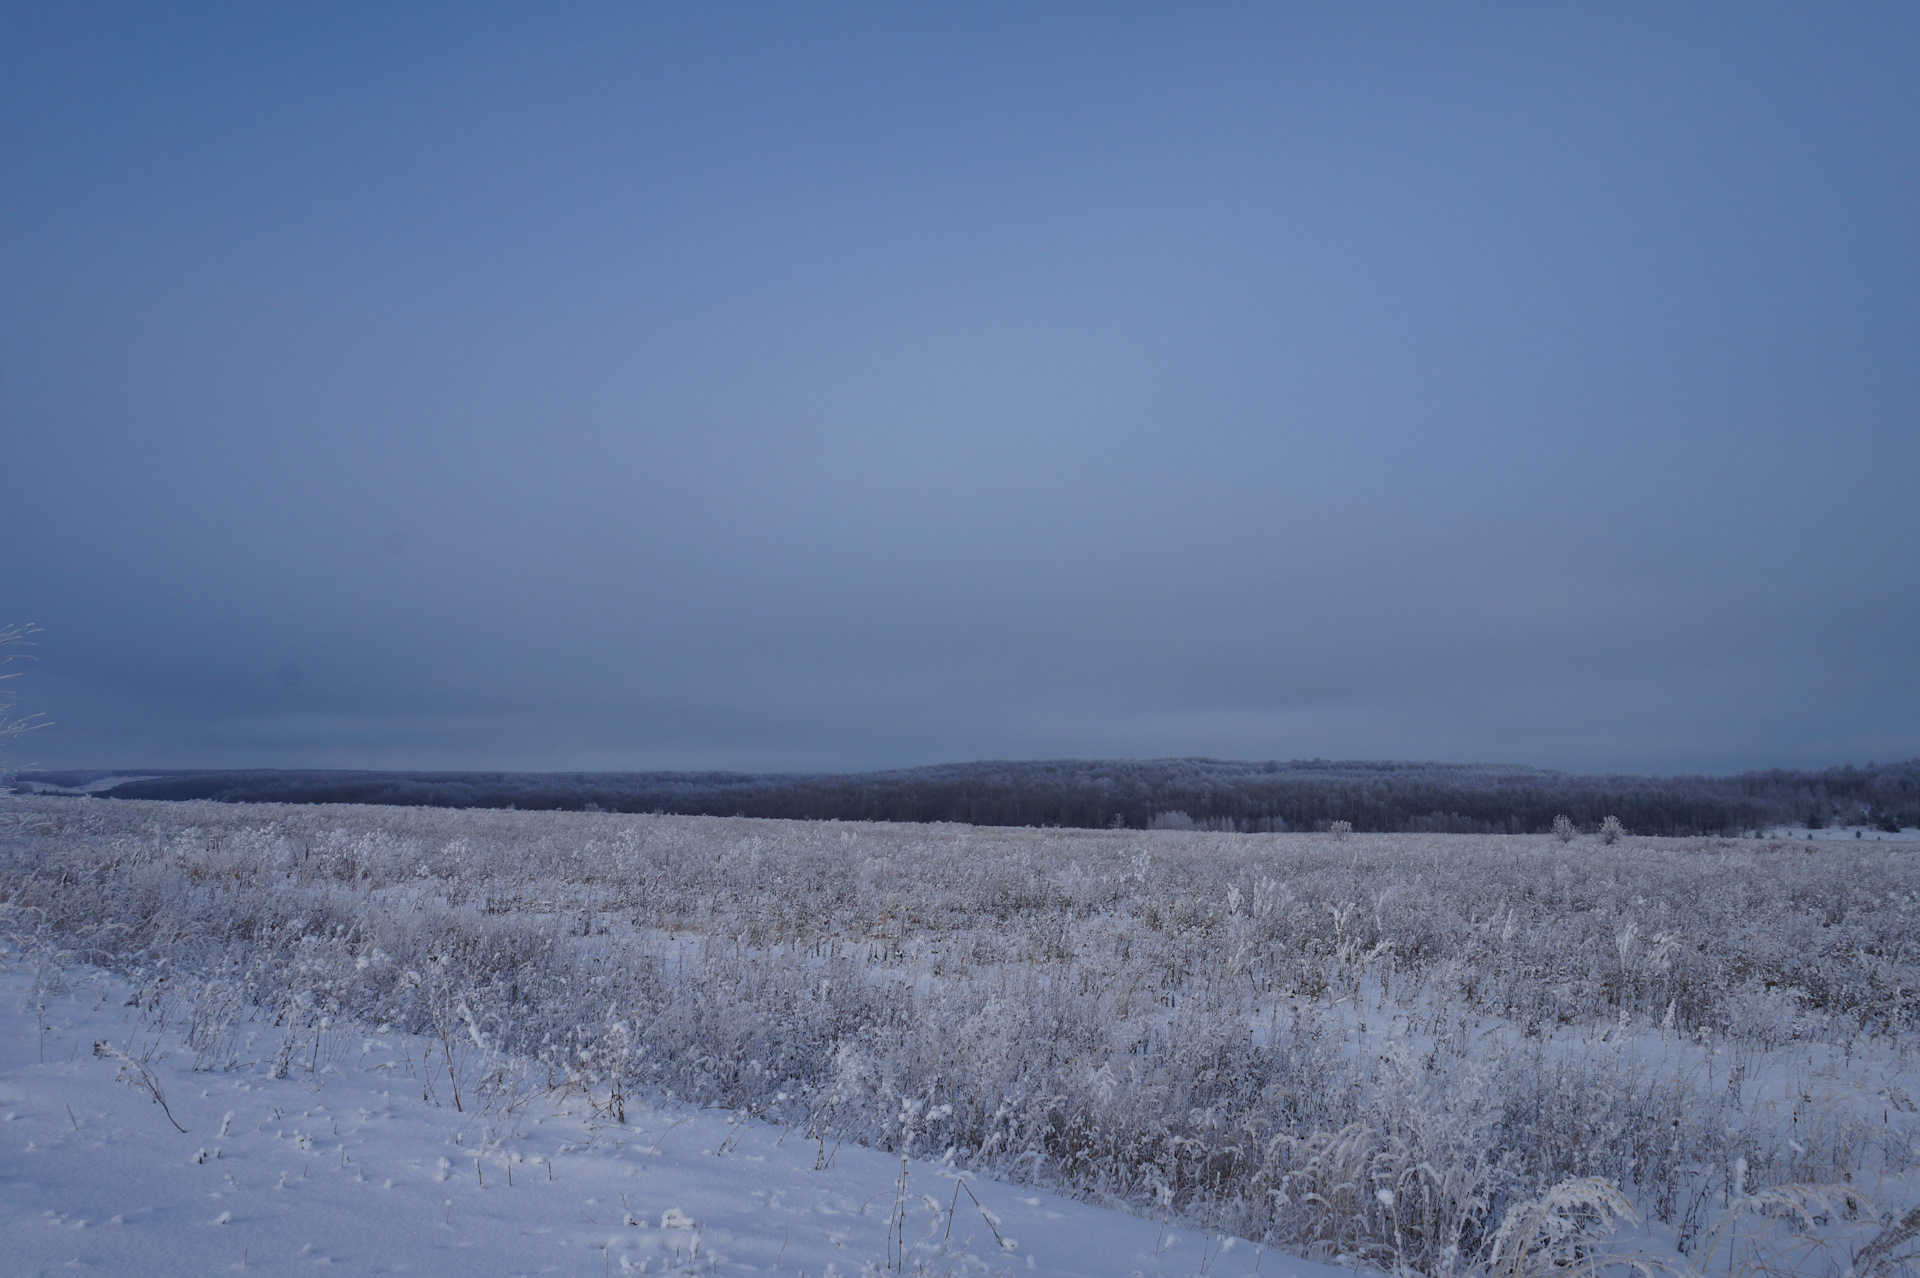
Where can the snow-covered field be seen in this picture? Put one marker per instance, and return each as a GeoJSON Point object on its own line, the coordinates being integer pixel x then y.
{"type": "Point", "coordinates": [1378, 1049]}
{"type": "Point", "coordinates": [347, 1165]}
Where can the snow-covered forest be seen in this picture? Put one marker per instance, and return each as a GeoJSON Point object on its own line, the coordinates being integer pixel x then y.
{"type": "Point", "coordinates": [1303, 795]}
{"type": "Point", "coordinates": [1428, 1054]}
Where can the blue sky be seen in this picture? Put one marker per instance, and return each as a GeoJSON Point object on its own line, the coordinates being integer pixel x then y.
{"type": "Point", "coordinates": [685, 386]}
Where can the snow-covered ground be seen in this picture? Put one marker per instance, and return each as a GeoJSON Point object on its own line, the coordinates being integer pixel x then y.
{"type": "Point", "coordinates": [349, 1167]}
{"type": "Point", "coordinates": [1382, 1049]}
{"type": "Point", "coordinates": [99, 785]}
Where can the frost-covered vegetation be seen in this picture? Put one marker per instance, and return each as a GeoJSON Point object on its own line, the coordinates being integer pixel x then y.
{"type": "Point", "coordinates": [1427, 1053]}
{"type": "Point", "coordinates": [11, 637]}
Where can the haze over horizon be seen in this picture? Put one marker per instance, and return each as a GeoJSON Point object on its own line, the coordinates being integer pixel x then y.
{"type": "Point", "coordinates": [865, 387]}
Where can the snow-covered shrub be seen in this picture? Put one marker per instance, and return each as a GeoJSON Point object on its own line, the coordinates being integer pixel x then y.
{"type": "Point", "coordinates": [1611, 830]}
{"type": "Point", "coordinates": [1563, 828]}
{"type": "Point", "coordinates": [1562, 1234]}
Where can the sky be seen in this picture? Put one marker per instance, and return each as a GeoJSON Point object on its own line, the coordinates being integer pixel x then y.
{"type": "Point", "coordinates": [685, 386]}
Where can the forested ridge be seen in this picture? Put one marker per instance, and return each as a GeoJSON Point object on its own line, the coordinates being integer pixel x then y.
{"type": "Point", "coordinates": [1135, 793]}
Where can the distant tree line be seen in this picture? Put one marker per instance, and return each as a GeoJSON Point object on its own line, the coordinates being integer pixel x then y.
{"type": "Point", "coordinates": [1212, 794]}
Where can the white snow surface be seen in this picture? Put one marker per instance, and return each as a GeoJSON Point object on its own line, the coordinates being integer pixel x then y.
{"type": "Point", "coordinates": [349, 1167]}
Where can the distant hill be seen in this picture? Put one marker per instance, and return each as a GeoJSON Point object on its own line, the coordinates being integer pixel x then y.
{"type": "Point", "coordinates": [1213, 794]}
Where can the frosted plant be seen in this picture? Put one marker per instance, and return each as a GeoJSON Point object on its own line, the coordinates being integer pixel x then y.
{"type": "Point", "coordinates": [1340, 829]}
{"type": "Point", "coordinates": [1805, 1229]}
{"type": "Point", "coordinates": [1364, 1195]}
{"type": "Point", "coordinates": [1562, 1234]}
{"type": "Point", "coordinates": [10, 637]}
{"type": "Point", "coordinates": [1894, 1249]}
{"type": "Point", "coordinates": [135, 1074]}
{"type": "Point", "coordinates": [1563, 828]}
{"type": "Point", "coordinates": [1611, 830]}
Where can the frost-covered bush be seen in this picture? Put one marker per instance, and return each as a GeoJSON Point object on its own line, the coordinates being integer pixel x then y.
{"type": "Point", "coordinates": [1563, 828]}
{"type": "Point", "coordinates": [1611, 830]}
{"type": "Point", "coordinates": [12, 636]}
{"type": "Point", "coordinates": [1375, 1055]}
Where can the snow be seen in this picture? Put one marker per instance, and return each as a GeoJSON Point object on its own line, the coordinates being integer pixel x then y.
{"type": "Point", "coordinates": [349, 1167]}
{"type": "Point", "coordinates": [99, 785]}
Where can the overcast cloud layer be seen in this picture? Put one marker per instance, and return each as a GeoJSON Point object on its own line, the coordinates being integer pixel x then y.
{"type": "Point", "coordinates": [798, 387]}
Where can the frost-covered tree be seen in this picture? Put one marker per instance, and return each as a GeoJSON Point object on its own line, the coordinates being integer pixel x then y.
{"type": "Point", "coordinates": [1340, 829]}
{"type": "Point", "coordinates": [1563, 828]}
{"type": "Point", "coordinates": [1250, 798]}
{"type": "Point", "coordinates": [1611, 830]}
{"type": "Point", "coordinates": [12, 637]}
